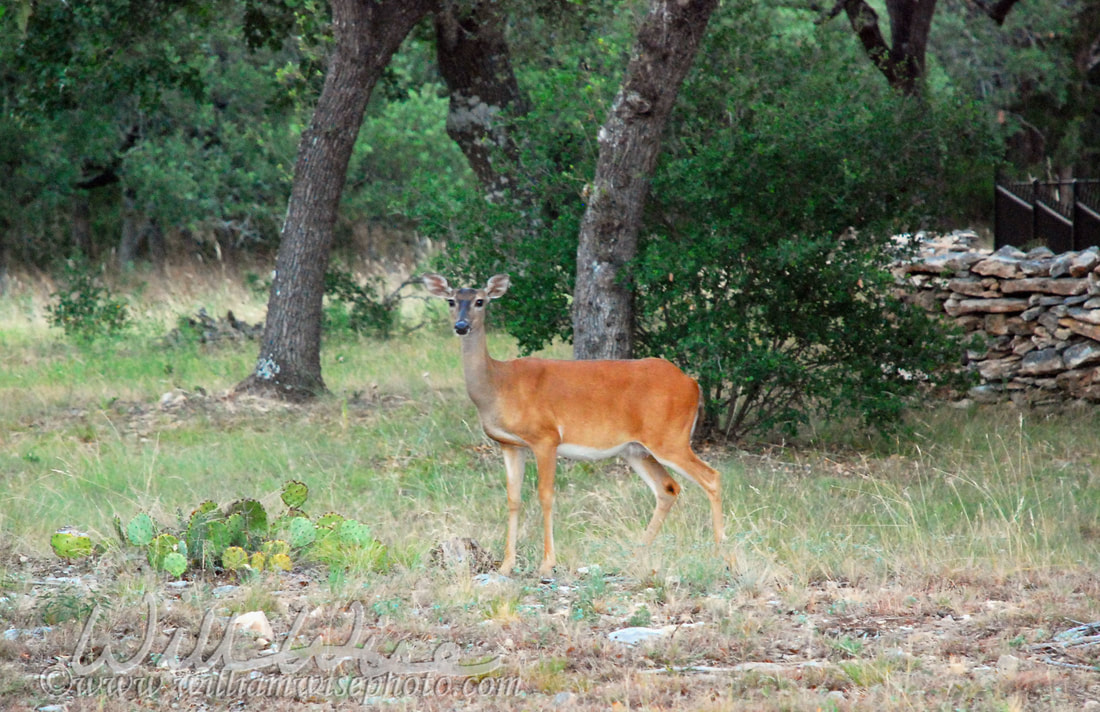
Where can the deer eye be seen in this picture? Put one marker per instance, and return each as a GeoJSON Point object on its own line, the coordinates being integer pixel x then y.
{"type": "Point", "coordinates": [479, 303]}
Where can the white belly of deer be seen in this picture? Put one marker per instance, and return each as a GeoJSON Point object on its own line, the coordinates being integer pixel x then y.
{"type": "Point", "coordinates": [581, 452]}
{"type": "Point", "coordinates": [567, 450]}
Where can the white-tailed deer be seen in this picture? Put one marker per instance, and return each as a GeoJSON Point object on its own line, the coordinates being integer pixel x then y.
{"type": "Point", "coordinates": [643, 410]}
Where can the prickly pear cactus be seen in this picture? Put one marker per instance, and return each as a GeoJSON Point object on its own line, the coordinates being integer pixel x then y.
{"type": "Point", "coordinates": [69, 543]}
{"type": "Point", "coordinates": [354, 533]}
{"type": "Point", "coordinates": [160, 547]}
{"type": "Point", "coordinates": [141, 530]}
{"type": "Point", "coordinates": [301, 531]}
{"type": "Point", "coordinates": [174, 563]}
{"type": "Point", "coordinates": [235, 529]}
{"type": "Point", "coordinates": [206, 535]}
{"type": "Point", "coordinates": [252, 513]}
{"type": "Point", "coordinates": [295, 494]}
{"type": "Point", "coordinates": [330, 520]}
{"type": "Point", "coordinates": [234, 558]}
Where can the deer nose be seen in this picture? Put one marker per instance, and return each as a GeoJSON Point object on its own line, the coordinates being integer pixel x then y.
{"type": "Point", "coordinates": [462, 327]}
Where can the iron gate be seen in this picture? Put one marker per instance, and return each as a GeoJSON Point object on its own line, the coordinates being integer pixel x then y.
{"type": "Point", "coordinates": [1063, 215]}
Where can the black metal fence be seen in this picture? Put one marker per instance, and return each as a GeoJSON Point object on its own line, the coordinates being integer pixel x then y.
{"type": "Point", "coordinates": [1063, 215]}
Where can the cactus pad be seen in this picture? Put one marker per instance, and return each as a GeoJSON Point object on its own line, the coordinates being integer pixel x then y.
{"type": "Point", "coordinates": [253, 514]}
{"type": "Point", "coordinates": [234, 558]}
{"type": "Point", "coordinates": [331, 520]}
{"type": "Point", "coordinates": [141, 530]}
{"type": "Point", "coordinates": [160, 547]}
{"type": "Point", "coordinates": [174, 563]}
{"type": "Point", "coordinates": [295, 494]}
{"type": "Point", "coordinates": [279, 561]}
{"type": "Point", "coordinates": [71, 544]}
{"type": "Point", "coordinates": [354, 533]}
{"type": "Point", "coordinates": [301, 532]}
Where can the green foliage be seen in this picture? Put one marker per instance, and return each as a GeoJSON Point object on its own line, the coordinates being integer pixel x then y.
{"type": "Point", "coordinates": [761, 265]}
{"type": "Point", "coordinates": [70, 544]}
{"type": "Point", "coordinates": [234, 558]}
{"type": "Point", "coordinates": [359, 308]}
{"type": "Point", "coordinates": [174, 123]}
{"type": "Point", "coordinates": [240, 538]}
{"type": "Point", "coordinates": [141, 530]}
{"type": "Point", "coordinates": [294, 494]}
{"type": "Point", "coordinates": [161, 547]}
{"type": "Point", "coordinates": [83, 308]}
{"type": "Point", "coordinates": [766, 274]}
{"type": "Point", "coordinates": [403, 140]}
{"type": "Point", "coordinates": [302, 532]}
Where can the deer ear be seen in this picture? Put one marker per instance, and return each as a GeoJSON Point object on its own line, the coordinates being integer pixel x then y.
{"type": "Point", "coordinates": [437, 286]}
{"type": "Point", "coordinates": [497, 286]}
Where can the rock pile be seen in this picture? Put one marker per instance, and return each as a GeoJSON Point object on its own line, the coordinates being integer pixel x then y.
{"type": "Point", "coordinates": [209, 330]}
{"type": "Point", "coordinates": [1039, 312]}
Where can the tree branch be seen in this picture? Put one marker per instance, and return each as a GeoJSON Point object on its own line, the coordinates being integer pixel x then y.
{"type": "Point", "coordinates": [997, 11]}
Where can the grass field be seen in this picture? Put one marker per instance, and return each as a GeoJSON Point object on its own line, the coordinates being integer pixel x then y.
{"type": "Point", "coordinates": [937, 570]}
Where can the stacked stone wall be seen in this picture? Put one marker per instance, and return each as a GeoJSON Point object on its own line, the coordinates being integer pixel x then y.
{"type": "Point", "coordinates": [1039, 313]}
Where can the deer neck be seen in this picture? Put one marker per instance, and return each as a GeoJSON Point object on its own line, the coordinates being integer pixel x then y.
{"type": "Point", "coordinates": [477, 366]}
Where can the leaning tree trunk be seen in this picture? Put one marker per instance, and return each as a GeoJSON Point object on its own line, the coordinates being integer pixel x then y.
{"type": "Point", "coordinates": [367, 33]}
{"type": "Point", "coordinates": [475, 63]}
{"type": "Point", "coordinates": [630, 141]}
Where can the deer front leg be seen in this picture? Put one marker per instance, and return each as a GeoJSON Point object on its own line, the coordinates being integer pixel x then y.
{"type": "Point", "coordinates": [546, 457]}
{"type": "Point", "coordinates": [514, 459]}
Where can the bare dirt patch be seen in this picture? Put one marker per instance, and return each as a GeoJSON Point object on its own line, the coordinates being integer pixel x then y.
{"type": "Point", "coordinates": [561, 644]}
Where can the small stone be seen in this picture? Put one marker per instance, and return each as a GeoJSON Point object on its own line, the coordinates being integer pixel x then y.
{"type": "Point", "coordinates": [998, 265]}
{"type": "Point", "coordinates": [1042, 362]}
{"type": "Point", "coordinates": [1090, 331]}
{"type": "Point", "coordinates": [1089, 316]}
{"type": "Point", "coordinates": [1082, 354]}
{"type": "Point", "coordinates": [1064, 287]}
{"type": "Point", "coordinates": [563, 699]}
{"type": "Point", "coordinates": [635, 635]}
{"type": "Point", "coordinates": [254, 622]}
{"type": "Point", "coordinates": [988, 306]}
{"type": "Point", "coordinates": [490, 578]}
{"type": "Point", "coordinates": [1008, 664]}
{"type": "Point", "coordinates": [173, 399]}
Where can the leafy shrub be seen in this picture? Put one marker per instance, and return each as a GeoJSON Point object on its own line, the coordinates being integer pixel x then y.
{"type": "Point", "coordinates": [361, 308]}
{"type": "Point", "coordinates": [85, 309]}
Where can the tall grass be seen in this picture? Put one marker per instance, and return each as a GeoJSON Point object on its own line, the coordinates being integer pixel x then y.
{"type": "Point", "coordinates": [990, 492]}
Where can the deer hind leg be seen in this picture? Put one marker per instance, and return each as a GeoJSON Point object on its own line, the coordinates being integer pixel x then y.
{"type": "Point", "coordinates": [514, 459]}
{"type": "Point", "coordinates": [660, 482]}
{"type": "Point", "coordinates": [684, 461]}
{"type": "Point", "coordinates": [546, 457]}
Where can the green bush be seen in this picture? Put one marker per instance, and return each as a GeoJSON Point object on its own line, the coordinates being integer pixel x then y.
{"type": "Point", "coordinates": [360, 308]}
{"type": "Point", "coordinates": [83, 307]}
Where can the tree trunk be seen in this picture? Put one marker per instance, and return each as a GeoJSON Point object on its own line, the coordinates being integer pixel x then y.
{"type": "Point", "coordinates": [629, 141]}
{"type": "Point", "coordinates": [367, 33]}
{"type": "Point", "coordinates": [131, 231]}
{"type": "Point", "coordinates": [80, 230]}
{"type": "Point", "coordinates": [902, 61]}
{"type": "Point", "coordinates": [475, 63]}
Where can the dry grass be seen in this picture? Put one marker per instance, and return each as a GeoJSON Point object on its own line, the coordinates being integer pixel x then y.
{"type": "Point", "coordinates": [929, 572]}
